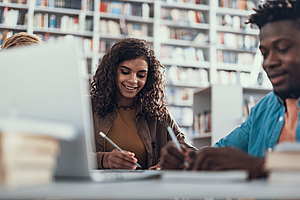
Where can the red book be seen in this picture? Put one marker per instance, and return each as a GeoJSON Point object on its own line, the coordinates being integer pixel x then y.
{"type": "Point", "coordinates": [4, 13]}
{"type": "Point", "coordinates": [103, 6]}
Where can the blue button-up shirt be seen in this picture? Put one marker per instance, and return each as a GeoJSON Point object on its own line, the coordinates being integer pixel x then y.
{"type": "Point", "coordinates": [261, 130]}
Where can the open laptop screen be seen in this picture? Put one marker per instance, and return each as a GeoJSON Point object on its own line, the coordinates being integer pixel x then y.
{"type": "Point", "coordinates": [50, 82]}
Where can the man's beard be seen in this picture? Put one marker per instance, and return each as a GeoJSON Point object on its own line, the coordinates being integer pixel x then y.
{"type": "Point", "coordinates": [287, 94]}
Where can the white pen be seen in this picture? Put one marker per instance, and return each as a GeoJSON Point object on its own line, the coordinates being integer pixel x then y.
{"type": "Point", "coordinates": [111, 142]}
{"type": "Point", "coordinates": [173, 137]}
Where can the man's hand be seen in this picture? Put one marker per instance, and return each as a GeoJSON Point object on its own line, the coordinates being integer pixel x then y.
{"type": "Point", "coordinates": [172, 158]}
{"type": "Point", "coordinates": [119, 160]}
{"type": "Point", "coordinates": [228, 158]}
{"type": "Point", "coordinates": [155, 167]}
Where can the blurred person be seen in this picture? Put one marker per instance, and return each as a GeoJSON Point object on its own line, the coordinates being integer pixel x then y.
{"type": "Point", "coordinates": [20, 39]}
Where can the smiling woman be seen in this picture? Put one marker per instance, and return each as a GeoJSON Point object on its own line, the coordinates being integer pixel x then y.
{"type": "Point", "coordinates": [129, 106]}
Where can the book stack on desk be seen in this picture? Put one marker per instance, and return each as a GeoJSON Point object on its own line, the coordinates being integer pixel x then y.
{"type": "Point", "coordinates": [29, 150]}
{"type": "Point", "coordinates": [283, 164]}
{"type": "Point", "coordinates": [27, 159]}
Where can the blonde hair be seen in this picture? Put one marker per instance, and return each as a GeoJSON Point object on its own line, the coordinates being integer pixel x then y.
{"type": "Point", "coordinates": [20, 39]}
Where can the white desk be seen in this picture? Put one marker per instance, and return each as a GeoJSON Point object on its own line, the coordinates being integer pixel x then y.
{"type": "Point", "coordinates": [165, 188]}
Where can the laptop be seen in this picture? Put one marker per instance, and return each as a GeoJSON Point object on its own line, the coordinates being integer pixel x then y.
{"type": "Point", "coordinates": [51, 82]}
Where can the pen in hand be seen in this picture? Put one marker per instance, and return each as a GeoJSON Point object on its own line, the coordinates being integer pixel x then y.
{"type": "Point", "coordinates": [173, 137]}
{"type": "Point", "coordinates": [175, 141]}
{"type": "Point", "coordinates": [112, 143]}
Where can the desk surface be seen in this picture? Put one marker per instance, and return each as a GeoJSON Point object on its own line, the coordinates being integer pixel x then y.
{"type": "Point", "coordinates": [163, 188]}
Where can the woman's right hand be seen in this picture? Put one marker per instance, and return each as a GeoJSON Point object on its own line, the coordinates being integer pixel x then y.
{"type": "Point", "coordinates": [119, 160]}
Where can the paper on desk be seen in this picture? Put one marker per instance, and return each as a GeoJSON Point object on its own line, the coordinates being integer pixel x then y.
{"type": "Point", "coordinates": [211, 176]}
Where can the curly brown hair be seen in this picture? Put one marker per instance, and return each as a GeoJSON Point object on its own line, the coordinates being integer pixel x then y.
{"type": "Point", "coordinates": [103, 86]}
{"type": "Point", "coordinates": [20, 39]}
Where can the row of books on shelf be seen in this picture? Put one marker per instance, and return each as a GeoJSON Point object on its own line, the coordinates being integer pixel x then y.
{"type": "Point", "coordinates": [177, 15]}
{"type": "Point", "coordinates": [235, 57]}
{"type": "Point", "coordinates": [71, 4]}
{"type": "Point", "coordinates": [11, 17]}
{"type": "Point", "coordinates": [180, 96]}
{"type": "Point", "coordinates": [248, 103]}
{"type": "Point", "coordinates": [104, 45]}
{"type": "Point", "coordinates": [123, 8]}
{"type": "Point", "coordinates": [244, 79]}
{"type": "Point", "coordinates": [196, 36]}
{"type": "Point", "coordinates": [183, 1]}
{"type": "Point", "coordinates": [237, 4]}
{"type": "Point", "coordinates": [234, 21]}
{"type": "Point", "coordinates": [202, 123]}
{"type": "Point", "coordinates": [193, 76]}
{"type": "Point", "coordinates": [131, 29]}
{"type": "Point", "coordinates": [87, 5]}
{"type": "Point", "coordinates": [181, 53]}
{"type": "Point", "coordinates": [14, 1]}
{"type": "Point", "coordinates": [65, 23]}
{"type": "Point", "coordinates": [232, 40]}
{"type": "Point", "coordinates": [182, 115]}
{"type": "Point", "coordinates": [234, 78]}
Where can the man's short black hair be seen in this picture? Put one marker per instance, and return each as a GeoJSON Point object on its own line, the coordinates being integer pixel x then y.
{"type": "Point", "coordinates": [276, 10]}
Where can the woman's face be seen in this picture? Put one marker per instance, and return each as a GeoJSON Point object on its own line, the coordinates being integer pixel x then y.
{"type": "Point", "coordinates": [131, 78]}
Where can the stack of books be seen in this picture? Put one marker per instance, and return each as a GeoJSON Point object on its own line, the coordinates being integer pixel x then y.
{"type": "Point", "coordinates": [283, 164]}
{"type": "Point", "coordinates": [29, 151]}
{"type": "Point", "coordinates": [27, 159]}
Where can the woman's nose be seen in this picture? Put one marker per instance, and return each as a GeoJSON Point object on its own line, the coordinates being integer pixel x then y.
{"type": "Point", "coordinates": [133, 79]}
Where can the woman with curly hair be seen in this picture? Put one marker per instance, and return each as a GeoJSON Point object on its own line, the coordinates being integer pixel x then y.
{"type": "Point", "coordinates": [129, 106]}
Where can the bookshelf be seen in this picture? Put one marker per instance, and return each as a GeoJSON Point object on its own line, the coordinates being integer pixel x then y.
{"type": "Point", "coordinates": [200, 43]}
{"type": "Point", "coordinates": [97, 29]}
{"type": "Point", "coordinates": [183, 47]}
{"type": "Point", "coordinates": [227, 111]}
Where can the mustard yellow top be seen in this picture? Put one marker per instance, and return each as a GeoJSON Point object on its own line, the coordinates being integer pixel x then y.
{"type": "Point", "coordinates": [124, 133]}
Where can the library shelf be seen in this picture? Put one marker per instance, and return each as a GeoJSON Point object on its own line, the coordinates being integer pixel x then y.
{"type": "Point", "coordinates": [63, 11]}
{"type": "Point", "coordinates": [57, 31]}
{"type": "Point", "coordinates": [185, 6]}
{"type": "Point", "coordinates": [184, 43]}
{"type": "Point", "coordinates": [228, 29]}
{"type": "Point", "coordinates": [193, 64]}
{"type": "Point", "coordinates": [16, 27]}
{"type": "Point", "coordinates": [232, 11]}
{"type": "Point", "coordinates": [234, 67]}
{"type": "Point", "coordinates": [187, 25]}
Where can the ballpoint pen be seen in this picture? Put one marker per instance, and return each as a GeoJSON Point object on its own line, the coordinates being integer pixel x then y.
{"type": "Point", "coordinates": [111, 142]}
{"type": "Point", "coordinates": [174, 139]}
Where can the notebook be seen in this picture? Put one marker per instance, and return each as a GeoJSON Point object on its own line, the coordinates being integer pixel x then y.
{"type": "Point", "coordinates": [51, 82]}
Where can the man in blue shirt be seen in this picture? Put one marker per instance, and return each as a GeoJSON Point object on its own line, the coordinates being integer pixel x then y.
{"type": "Point", "coordinates": [276, 117]}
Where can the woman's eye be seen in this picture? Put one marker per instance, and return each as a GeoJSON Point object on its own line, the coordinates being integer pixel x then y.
{"type": "Point", "coordinates": [141, 76]}
{"type": "Point", "coordinates": [125, 72]}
